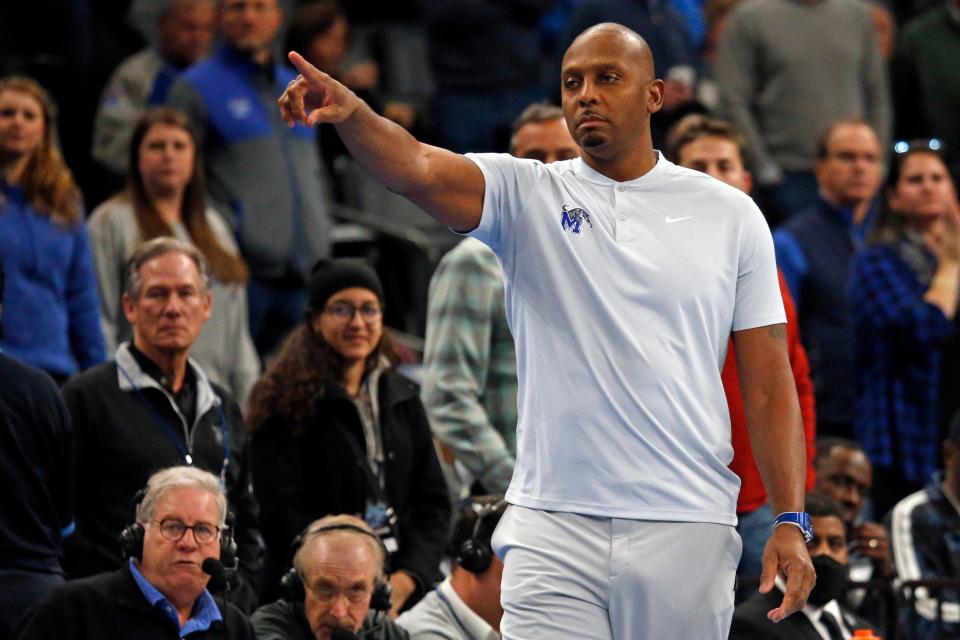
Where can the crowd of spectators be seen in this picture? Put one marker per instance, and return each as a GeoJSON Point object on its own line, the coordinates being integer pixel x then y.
{"type": "Point", "coordinates": [203, 313]}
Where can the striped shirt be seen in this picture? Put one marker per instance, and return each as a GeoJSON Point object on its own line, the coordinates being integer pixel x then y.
{"type": "Point", "coordinates": [925, 536]}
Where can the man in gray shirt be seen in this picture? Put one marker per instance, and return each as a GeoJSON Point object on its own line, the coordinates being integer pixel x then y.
{"type": "Point", "coordinates": [787, 69]}
{"type": "Point", "coordinates": [465, 606]}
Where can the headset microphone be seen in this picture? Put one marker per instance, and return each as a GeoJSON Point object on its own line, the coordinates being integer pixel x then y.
{"type": "Point", "coordinates": [217, 572]}
{"type": "Point", "coordinates": [218, 582]}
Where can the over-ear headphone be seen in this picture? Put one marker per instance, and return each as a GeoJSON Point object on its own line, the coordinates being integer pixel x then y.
{"type": "Point", "coordinates": [292, 584]}
{"type": "Point", "coordinates": [476, 554]}
{"type": "Point", "coordinates": [131, 538]}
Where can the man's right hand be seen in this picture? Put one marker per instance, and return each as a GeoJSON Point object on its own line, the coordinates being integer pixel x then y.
{"type": "Point", "coordinates": [786, 553]}
{"type": "Point", "coordinates": [313, 97]}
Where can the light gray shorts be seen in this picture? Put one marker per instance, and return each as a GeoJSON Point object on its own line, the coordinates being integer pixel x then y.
{"type": "Point", "coordinates": [584, 577]}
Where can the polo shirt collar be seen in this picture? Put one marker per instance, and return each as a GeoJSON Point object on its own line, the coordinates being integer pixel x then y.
{"type": "Point", "coordinates": [205, 610]}
{"type": "Point", "coordinates": [475, 627]}
{"type": "Point", "coordinates": [650, 178]}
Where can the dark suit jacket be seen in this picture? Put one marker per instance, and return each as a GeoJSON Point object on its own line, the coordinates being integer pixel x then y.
{"type": "Point", "coordinates": [111, 605]}
{"type": "Point", "coordinates": [750, 621]}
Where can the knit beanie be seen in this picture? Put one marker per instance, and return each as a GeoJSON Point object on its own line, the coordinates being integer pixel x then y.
{"type": "Point", "coordinates": [331, 276]}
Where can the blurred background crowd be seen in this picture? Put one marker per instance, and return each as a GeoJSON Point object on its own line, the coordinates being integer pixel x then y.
{"type": "Point", "coordinates": [125, 121]}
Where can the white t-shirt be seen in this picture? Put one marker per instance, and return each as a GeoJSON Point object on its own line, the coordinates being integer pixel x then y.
{"type": "Point", "coordinates": [621, 298]}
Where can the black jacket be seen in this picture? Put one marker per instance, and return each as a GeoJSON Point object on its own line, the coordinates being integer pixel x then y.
{"type": "Point", "coordinates": [750, 621]}
{"type": "Point", "coordinates": [312, 473]}
{"type": "Point", "coordinates": [282, 620]}
{"type": "Point", "coordinates": [111, 605]}
{"type": "Point", "coordinates": [120, 443]}
{"type": "Point", "coordinates": [36, 469]}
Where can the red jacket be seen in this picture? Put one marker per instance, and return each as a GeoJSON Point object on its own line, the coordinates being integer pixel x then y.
{"type": "Point", "coordinates": [752, 494]}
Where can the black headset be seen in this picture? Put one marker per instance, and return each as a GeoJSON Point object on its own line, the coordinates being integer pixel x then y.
{"type": "Point", "coordinates": [476, 554]}
{"type": "Point", "coordinates": [292, 583]}
{"type": "Point", "coordinates": [131, 538]}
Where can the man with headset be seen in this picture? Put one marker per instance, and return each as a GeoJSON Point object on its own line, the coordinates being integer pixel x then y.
{"type": "Point", "coordinates": [466, 606]}
{"type": "Point", "coordinates": [174, 545]}
{"type": "Point", "coordinates": [152, 407]}
{"type": "Point", "coordinates": [335, 590]}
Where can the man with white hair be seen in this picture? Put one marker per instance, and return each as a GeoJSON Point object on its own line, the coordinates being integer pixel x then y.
{"type": "Point", "coordinates": [336, 589]}
{"type": "Point", "coordinates": [173, 547]}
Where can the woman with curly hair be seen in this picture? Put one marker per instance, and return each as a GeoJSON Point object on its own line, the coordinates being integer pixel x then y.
{"type": "Point", "coordinates": [337, 430]}
{"type": "Point", "coordinates": [904, 295]}
{"type": "Point", "coordinates": [50, 306]}
{"type": "Point", "coordinates": [166, 196]}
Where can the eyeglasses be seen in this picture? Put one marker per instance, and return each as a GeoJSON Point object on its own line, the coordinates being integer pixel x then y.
{"type": "Point", "coordinates": [174, 530]}
{"type": "Point", "coordinates": [905, 146]}
{"type": "Point", "coordinates": [327, 593]}
{"type": "Point", "coordinates": [345, 311]}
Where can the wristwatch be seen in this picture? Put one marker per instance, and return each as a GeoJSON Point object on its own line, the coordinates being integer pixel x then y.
{"type": "Point", "coordinates": [799, 519]}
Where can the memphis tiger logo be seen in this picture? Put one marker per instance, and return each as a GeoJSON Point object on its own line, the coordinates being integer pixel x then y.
{"type": "Point", "coordinates": [572, 220]}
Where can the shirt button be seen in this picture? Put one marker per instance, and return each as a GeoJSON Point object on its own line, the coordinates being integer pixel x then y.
{"type": "Point", "coordinates": [620, 188]}
{"type": "Point", "coordinates": [621, 217]}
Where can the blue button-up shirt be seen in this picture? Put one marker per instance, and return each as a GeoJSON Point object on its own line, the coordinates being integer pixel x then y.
{"type": "Point", "coordinates": [205, 610]}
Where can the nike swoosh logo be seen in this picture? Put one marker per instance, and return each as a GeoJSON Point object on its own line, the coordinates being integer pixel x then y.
{"type": "Point", "coordinates": [670, 220]}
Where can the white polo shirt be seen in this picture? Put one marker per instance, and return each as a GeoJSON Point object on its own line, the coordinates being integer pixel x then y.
{"type": "Point", "coordinates": [621, 298]}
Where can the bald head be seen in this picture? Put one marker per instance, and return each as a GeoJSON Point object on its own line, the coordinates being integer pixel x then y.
{"type": "Point", "coordinates": [632, 45]}
{"type": "Point", "coordinates": [608, 92]}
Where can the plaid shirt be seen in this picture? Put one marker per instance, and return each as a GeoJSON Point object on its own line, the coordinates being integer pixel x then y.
{"type": "Point", "coordinates": [470, 363]}
{"type": "Point", "coordinates": [898, 359]}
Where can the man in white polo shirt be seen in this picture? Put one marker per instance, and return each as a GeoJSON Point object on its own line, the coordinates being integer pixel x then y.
{"type": "Point", "coordinates": [625, 275]}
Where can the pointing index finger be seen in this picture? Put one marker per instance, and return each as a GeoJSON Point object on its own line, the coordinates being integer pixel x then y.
{"type": "Point", "coordinates": [306, 69]}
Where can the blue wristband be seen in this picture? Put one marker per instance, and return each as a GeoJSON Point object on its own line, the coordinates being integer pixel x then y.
{"type": "Point", "coordinates": [799, 519]}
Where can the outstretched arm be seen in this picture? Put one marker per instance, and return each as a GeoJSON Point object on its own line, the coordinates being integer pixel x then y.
{"type": "Point", "coordinates": [776, 437]}
{"type": "Point", "coordinates": [446, 185]}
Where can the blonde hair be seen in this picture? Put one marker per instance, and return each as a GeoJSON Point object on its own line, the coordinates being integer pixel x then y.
{"type": "Point", "coordinates": [47, 183]}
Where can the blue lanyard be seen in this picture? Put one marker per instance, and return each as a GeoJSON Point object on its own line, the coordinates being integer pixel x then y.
{"type": "Point", "coordinates": [224, 428]}
{"type": "Point", "coordinates": [456, 618]}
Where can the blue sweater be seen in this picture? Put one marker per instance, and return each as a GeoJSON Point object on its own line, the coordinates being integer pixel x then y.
{"type": "Point", "coordinates": [51, 316]}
